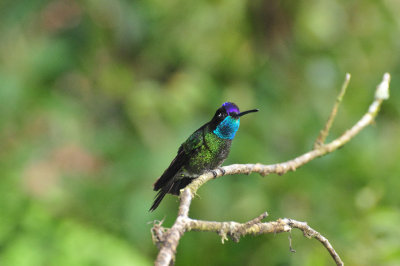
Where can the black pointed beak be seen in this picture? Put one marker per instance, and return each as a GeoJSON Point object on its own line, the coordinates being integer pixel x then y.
{"type": "Point", "coordinates": [247, 112]}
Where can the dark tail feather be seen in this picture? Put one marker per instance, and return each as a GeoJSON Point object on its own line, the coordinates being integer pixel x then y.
{"type": "Point", "coordinates": [159, 197]}
{"type": "Point", "coordinates": [171, 171]}
{"type": "Point", "coordinates": [173, 188]}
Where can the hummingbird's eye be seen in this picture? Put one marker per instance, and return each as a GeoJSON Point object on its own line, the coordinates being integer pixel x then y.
{"type": "Point", "coordinates": [220, 115]}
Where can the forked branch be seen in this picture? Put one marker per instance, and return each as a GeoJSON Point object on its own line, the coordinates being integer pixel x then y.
{"type": "Point", "coordinates": [168, 239]}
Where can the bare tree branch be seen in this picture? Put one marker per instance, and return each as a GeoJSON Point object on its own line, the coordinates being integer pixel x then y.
{"type": "Point", "coordinates": [168, 239]}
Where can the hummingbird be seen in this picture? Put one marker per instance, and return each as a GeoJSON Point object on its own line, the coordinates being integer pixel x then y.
{"type": "Point", "coordinates": [205, 150]}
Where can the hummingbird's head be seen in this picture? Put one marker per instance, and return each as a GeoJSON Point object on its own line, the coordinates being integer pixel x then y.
{"type": "Point", "coordinates": [227, 120]}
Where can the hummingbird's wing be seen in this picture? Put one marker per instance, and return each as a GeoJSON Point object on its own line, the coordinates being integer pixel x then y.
{"type": "Point", "coordinates": [169, 173]}
{"type": "Point", "coordinates": [188, 149]}
{"type": "Point", "coordinates": [167, 183]}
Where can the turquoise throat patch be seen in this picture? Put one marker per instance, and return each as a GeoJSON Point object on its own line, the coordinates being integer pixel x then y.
{"type": "Point", "coordinates": [227, 128]}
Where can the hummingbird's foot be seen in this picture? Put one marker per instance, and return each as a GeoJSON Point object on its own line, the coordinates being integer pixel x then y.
{"type": "Point", "coordinates": [215, 174]}
{"type": "Point", "coordinates": [222, 170]}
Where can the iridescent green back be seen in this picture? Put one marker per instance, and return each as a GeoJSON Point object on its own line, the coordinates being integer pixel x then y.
{"type": "Point", "coordinates": [210, 153]}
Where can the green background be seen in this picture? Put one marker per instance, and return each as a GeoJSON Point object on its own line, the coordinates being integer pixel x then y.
{"type": "Point", "coordinates": [96, 97]}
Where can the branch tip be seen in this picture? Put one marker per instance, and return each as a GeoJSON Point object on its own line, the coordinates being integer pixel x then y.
{"type": "Point", "coordinates": [382, 90]}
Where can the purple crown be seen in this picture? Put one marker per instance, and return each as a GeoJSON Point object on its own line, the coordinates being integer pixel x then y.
{"type": "Point", "coordinates": [231, 108]}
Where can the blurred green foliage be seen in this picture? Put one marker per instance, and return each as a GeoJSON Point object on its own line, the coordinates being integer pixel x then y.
{"type": "Point", "coordinates": [96, 97]}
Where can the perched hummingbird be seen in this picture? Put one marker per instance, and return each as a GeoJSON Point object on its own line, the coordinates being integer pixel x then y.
{"type": "Point", "coordinates": [205, 150]}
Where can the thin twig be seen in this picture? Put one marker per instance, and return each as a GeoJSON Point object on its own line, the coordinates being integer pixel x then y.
{"type": "Point", "coordinates": [291, 249]}
{"type": "Point", "coordinates": [324, 132]}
